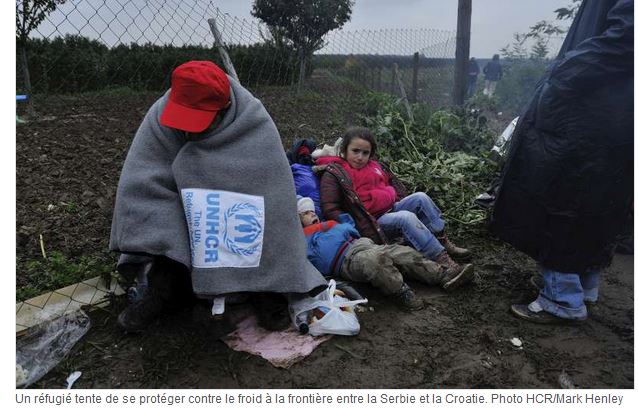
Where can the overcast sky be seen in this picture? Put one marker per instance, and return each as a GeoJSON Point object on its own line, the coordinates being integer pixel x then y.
{"type": "Point", "coordinates": [179, 22]}
{"type": "Point", "coordinates": [494, 22]}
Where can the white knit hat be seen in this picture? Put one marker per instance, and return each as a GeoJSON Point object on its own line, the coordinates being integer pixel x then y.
{"type": "Point", "coordinates": [305, 204]}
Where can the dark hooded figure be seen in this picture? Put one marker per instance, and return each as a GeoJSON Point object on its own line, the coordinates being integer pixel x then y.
{"type": "Point", "coordinates": [493, 73]}
{"type": "Point", "coordinates": [472, 75]}
{"type": "Point", "coordinates": [567, 184]}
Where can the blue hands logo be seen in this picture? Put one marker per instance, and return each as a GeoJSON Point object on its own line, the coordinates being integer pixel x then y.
{"type": "Point", "coordinates": [242, 228]}
{"type": "Point", "coordinates": [251, 228]}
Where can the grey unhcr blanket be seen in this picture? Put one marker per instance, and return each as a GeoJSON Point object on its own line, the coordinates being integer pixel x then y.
{"type": "Point", "coordinates": [223, 204]}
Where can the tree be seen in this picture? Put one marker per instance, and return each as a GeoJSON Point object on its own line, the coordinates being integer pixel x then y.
{"type": "Point", "coordinates": [524, 67]}
{"type": "Point", "coordinates": [542, 31]}
{"type": "Point", "coordinates": [516, 50]}
{"type": "Point", "coordinates": [540, 49]}
{"type": "Point", "coordinates": [29, 15]}
{"type": "Point", "coordinates": [302, 23]}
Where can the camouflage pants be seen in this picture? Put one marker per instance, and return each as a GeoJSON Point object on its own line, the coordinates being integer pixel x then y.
{"type": "Point", "coordinates": [385, 266]}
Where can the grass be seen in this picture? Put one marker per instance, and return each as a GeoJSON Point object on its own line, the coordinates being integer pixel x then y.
{"type": "Point", "coordinates": [57, 271]}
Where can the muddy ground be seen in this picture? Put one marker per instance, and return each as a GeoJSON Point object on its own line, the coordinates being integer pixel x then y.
{"type": "Point", "coordinates": [71, 159]}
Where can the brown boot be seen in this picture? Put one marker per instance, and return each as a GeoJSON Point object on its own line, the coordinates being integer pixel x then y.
{"type": "Point", "coordinates": [407, 300]}
{"type": "Point", "coordinates": [455, 275]}
{"type": "Point", "coordinates": [453, 250]}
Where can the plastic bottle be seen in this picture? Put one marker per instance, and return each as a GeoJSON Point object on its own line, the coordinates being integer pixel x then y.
{"type": "Point", "coordinates": [301, 321]}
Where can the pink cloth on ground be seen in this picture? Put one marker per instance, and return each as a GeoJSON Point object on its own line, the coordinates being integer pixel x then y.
{"type": "Point", "coordinates": [281, 349]}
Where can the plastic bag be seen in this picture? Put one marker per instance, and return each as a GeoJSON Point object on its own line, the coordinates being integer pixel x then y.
{"type": "Point", "coordinates": [501, 146]}
{"type": "Point", "coordinates": [44, 346]}
{"type": "Point", "coordinates": [339, 317]}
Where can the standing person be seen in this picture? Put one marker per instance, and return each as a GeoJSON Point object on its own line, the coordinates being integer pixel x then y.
{"type": "Point", "coordinates": [206, 203]}
{"type": "Point", "coordinates": [355, 184]}
{"type": "Point", "coordinates": [472, 77]}
{"type": "Point", "coordinates": [493, 73]}
{"type": "Point", "coordinates": [567, 184]}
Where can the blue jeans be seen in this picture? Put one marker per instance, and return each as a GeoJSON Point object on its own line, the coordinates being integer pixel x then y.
{"type": "Point", "coordinates": [471, 87]}
{"type": "Point", "coordinates": [416, 218]}
{"type": "Point", "coordinates": [564, 294]}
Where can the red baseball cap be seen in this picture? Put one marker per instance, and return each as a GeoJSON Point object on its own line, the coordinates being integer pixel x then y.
{"type": "Point", "coordinates": [199, 89]}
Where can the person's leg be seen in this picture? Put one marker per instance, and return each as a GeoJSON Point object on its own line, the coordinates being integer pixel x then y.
{"type": "Point", "coordinates": [413, 265]}
{"type": "Point", "coordinates": [162, 285]}
{"type": "Point", "coordinates": [424, 208]}
{"type": "Point", "coordinates": [562, 296]}
{"type": "Point", "coordinates": [487, 87]}
{"type": "Point", "coordinates": [430, 215]}
{"type": "Point", "coordinates": [471, 88]}
{"type": "Point", "coordinates": [492, 88]}
{"type": "Point", "coordinates": [365, 262]}
{"type": "Point", "coordinates": [590, 281]}
{"type": "Point", "coordinates": [408, 225]}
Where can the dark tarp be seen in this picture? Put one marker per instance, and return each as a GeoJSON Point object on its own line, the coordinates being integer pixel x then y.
{"type": "Point", "coordinates": [567, 184]}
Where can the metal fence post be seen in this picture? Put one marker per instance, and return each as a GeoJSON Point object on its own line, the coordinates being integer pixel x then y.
{"type": "Point", "coordinates": [404, 96]}
{"type": "Point", "coordinates": [222, 49]}
{"type": "Point", "coordinates": [415, 75]}
{"type": "Point", "coordinates": [462, 55]}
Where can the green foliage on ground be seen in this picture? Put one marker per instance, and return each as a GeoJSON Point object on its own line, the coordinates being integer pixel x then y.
{"type": "Point", "coordinates": [442, 153]}
{"type": "Point", "coordinates": [57, 271]}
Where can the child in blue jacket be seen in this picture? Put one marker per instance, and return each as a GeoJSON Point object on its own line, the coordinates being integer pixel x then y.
{"type": "Point", "coordinates": [336, 249]}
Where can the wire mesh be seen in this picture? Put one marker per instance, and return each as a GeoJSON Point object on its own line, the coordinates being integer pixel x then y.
{"type": "Point", "coordinates": [91, 68]}
{"type": "Point", "coordinates": [95, 45]}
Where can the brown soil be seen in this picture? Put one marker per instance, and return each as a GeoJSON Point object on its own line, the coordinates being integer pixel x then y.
{"type": "Point", "coordinates": [71, 158]}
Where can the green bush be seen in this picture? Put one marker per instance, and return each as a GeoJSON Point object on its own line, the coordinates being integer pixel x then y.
{"type": "Point", "coordinates": [148, 66]}
{"type": "Point", "coordinates": [73, 64]}
{"type": "Point", "coordinates": [520, 78]}
{"type": "Point", "coordinates": [441, 153]}
{"type": "Point", "coordinates": [265, 64]}
{"type": "Point", "coordinates": [65, 63]}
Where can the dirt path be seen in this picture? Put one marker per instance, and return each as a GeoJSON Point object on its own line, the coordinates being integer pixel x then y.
{"type": "Point", "coordinates": [67, 172]}
{"type": "Point", "coordinates": [459, 341]}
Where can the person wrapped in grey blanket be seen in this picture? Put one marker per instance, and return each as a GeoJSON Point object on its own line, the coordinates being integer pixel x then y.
{"type": "Point", "coordinates": [206, 204]}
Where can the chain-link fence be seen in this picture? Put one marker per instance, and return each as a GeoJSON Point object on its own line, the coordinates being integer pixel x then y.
{"type": "Point", "coordinates": [91, 69]}
{"type": "Point", "coordinates": [420, 60]}
{"type": "Point", "coordinates": [92, 45]}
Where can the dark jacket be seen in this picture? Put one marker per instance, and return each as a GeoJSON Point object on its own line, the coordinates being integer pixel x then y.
{"type": "Point", "coordinates": [493, 71]}
{"type": "Point", "coordinates": [300, 152]}
{"type": "Point", "coordinates": [567, 183]}
{"type": "Point", "coordinates": [473, 71]}
{"type": "Point", "coordinates": [338, 196]}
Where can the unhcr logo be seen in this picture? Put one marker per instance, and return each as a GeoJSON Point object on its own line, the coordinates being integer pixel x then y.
{"type": "Point", "coordinates": [226, 229]}
{"type": "Point", "coordinates": [243, 230]}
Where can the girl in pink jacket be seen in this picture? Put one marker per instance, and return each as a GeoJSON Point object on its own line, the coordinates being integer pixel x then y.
{"type": "Point", "coordinates": [416, 217]}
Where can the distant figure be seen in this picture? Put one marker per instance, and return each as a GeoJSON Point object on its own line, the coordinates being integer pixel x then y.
{"type": "Point", "coordinates": [493, 73]}
{"type": "Point", "coordinates": [472, 76]}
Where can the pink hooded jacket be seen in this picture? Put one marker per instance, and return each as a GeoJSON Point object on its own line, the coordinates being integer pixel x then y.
{"type": "Point", "coordinates": [370, 183]}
